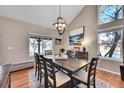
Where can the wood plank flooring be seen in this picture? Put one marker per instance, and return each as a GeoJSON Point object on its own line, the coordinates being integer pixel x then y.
{"type": "Point", "coordinates": [113, 79]}
{"type": "Point", "coordinates": [20, 79]}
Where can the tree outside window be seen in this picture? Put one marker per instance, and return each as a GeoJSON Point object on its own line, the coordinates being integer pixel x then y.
{"type": "Point", "coordinates": [41, 45]}
{"type": "Point", "coordinates": [109, 13]}
{"type": "Point", "coordinates": [109, 43]}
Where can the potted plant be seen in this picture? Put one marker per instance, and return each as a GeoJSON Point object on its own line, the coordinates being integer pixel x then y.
{"type": "Point", "coordinates": [62, 50]}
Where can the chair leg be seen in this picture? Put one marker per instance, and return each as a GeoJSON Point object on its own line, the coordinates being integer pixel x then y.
{"type": "Point", "coordinates": [94, 83]}
{"type": "Point", "coordinates": [40, 76]}
{"type": "Point", "coordinates": [9, 82]}
{"type": "Point", "coordinates": [88, 85]}
{"type": "Point", "coordinates": [36, 70]}
{"type": "Point", "coordinates": [45, 82]}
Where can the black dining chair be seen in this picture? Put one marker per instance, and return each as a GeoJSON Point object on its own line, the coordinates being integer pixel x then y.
{"type": "Point", "coordinates": [42, 68]}
{"type": "Point", "coordinates": [37, 66]}
{"type": "Point", "coordinates": [87, 78]}
{"type": "Point", "coordinates": [55, 79]}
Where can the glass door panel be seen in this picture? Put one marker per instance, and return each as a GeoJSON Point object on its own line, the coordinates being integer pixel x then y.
{"type": "Point", "coordinates": [33, 46]}
{"type": "Point", "coordinates": [41, 45]}
{"type": "Point", "coordinates": [47, 46]}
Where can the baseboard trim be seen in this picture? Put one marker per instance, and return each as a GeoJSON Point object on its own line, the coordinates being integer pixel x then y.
{"type": "Point", "coordinates": [108, 71]}
{"type": "Point", "coordinates": [22, 69]}
{"type": "Point", "coordinates": [22, 65]}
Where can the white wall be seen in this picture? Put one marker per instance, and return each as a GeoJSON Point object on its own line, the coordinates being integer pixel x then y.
{"type": "Point", "coordinates": [14, 34]}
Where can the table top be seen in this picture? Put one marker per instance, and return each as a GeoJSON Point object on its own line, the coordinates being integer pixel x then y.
{"type": "Point", "coordinates": [61, 57]}
{"type": "Point", "coordinates": [71, 64]}
{"type": "Point", "coordinates": [4, 73]}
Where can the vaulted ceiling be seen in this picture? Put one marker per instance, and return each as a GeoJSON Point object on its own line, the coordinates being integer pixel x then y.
{"type": "Point", "coordinates": [44, 15]}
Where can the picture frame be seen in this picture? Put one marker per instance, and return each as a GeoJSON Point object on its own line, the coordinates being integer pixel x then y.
{"type": "Point", "coordinates": [76, 36]}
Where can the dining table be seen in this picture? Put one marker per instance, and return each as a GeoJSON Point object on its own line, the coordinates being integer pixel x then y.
{"type": "Point", "coordinates": [71, 65]}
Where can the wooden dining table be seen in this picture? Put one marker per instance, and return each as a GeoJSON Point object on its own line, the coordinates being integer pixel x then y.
{"type": "Point", "coordinates": [71, 65]}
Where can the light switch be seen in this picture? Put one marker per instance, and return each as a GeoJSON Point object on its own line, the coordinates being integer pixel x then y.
{"type": "Point", "coordinates": [10, 48]}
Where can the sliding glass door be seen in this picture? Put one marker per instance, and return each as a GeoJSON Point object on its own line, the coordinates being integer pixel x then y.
{"type": "Point", "coordinates": [42, 45]}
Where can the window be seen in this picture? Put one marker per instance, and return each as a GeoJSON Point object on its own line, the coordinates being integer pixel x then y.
{"type": "Point", "coordinates": [33, 46]}
{"type": "Point", "coordinates": [109, 13]}
{"type": "Point", "coordinates": [109, 43]}
{"type": "Point", "coordinates": [40, 44]}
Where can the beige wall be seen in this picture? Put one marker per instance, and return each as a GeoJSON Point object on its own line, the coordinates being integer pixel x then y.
{"type": "Point", "coordinates": [88, 18]}
{"type": "Point", "coordinates": [15, 34]}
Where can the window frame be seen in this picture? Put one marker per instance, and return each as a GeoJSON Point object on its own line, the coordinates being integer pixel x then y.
{"type": "Point", "coordinates": [35, 35]}
{"type": "Point", "coordinates": [121, 43]}
{"type": "Point", "coordinates": [98, 13]}
{"type": "Point", "coordinates": [29, 46]}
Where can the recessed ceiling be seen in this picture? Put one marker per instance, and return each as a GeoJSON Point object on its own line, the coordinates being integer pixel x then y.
{"type": "Point", "coordinates": [44, 15]}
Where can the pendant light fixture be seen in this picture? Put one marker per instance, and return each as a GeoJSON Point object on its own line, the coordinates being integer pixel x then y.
{"type": "Point", "coordinates": [60, 24]}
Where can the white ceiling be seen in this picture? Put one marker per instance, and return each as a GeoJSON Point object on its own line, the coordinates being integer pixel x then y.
{"type": "Point", "coordinates": [44, 15]}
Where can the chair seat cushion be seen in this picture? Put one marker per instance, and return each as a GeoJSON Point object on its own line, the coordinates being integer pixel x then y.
{"type": "Point", "coordinates": [61, 78]}
{"type": "Point", "coordinates": [81, 75]}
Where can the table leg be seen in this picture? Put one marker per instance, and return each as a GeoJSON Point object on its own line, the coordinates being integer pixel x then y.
{"type": "Point", "coordinates": [9, 82]}
{"type": "Point", "coordinates": [70, 75]}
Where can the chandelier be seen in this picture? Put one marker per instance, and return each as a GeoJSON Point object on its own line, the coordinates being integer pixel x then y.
{"type": "Point", "coordinates": [60, 24]}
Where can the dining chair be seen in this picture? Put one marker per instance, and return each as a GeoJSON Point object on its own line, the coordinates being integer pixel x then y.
{"type": "Point", "coordinates": [70, 54]}
{"type": "Point", "coordinates": [36, 57]}
{"type": "Point", "coordinates": [87, 78]}
{"type": "Point", "coordinates": [42, 68]}
{"type": "Point", "coordinates": [58, 79]}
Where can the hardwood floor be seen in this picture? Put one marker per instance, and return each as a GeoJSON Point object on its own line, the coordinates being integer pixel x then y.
{"type": "Point", "coordinates": [112, 79]}
{"type": "Point", "coordinates": [20, 79]}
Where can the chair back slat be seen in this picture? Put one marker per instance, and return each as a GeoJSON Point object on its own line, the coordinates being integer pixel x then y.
{"type": "Point", "coordinates": [92, 70]}
{"type": "Point", "coordinates": [36, 58]}
{"type": "Point", "coordinates": [41, 62]}
{"type": "Point", "coordinates": [49, 65]}
{"type": "Point", "coordinates": [42, 65]}
{"type": "Point", "coordinates": [50, 71]}
{"type": "Point", "coordinates": [50, 75]}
